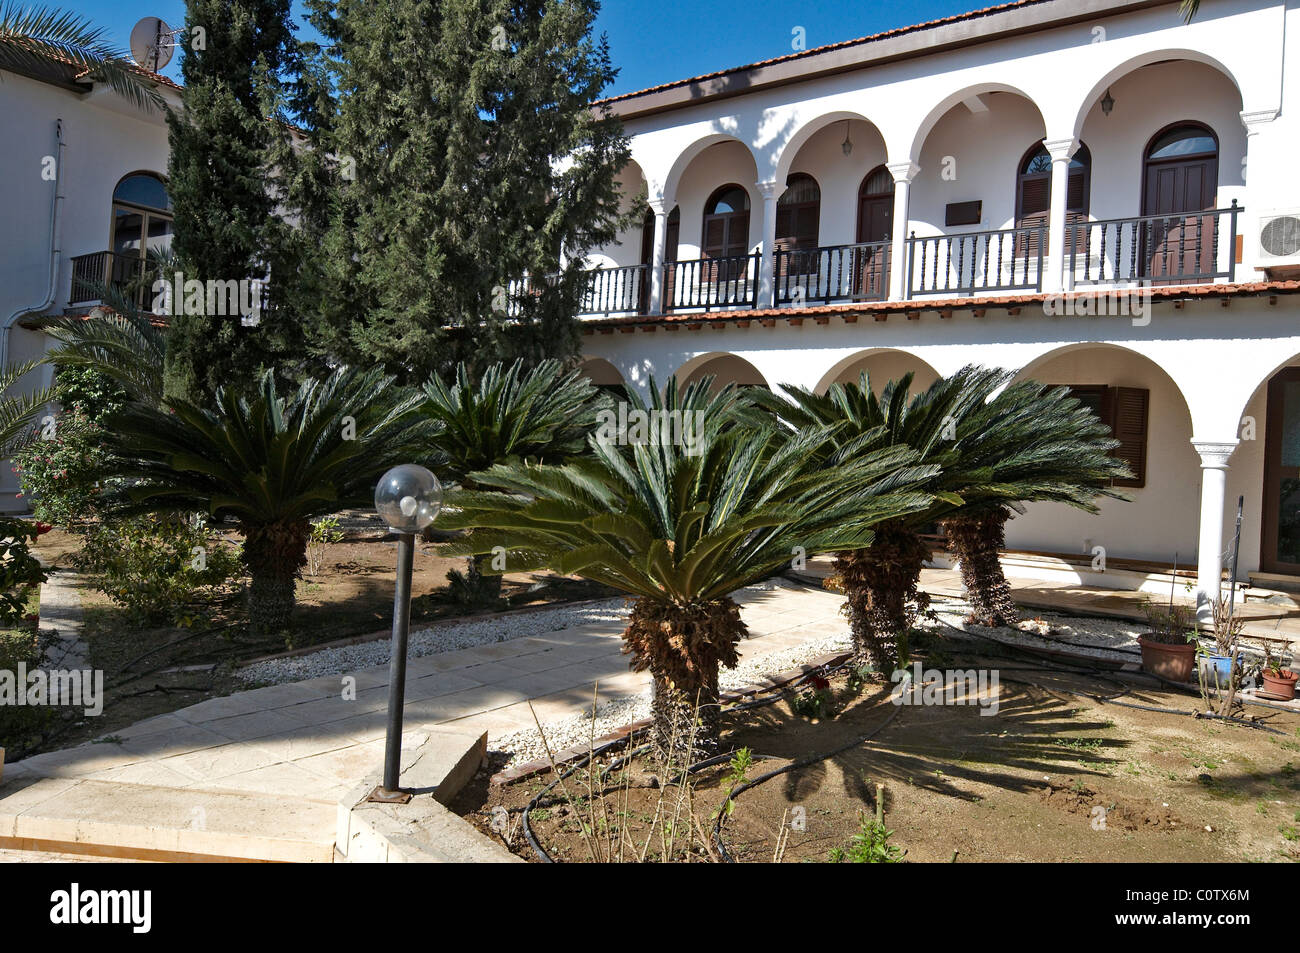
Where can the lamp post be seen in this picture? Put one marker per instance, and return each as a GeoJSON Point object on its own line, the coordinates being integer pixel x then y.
{"type": "Point", "coordinates": [408, 497]}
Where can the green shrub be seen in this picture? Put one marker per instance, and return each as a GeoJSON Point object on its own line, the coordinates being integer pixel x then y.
{"type": "Point", "coordinates": [59, 468]}
{"type": "Point", "coordinates": [19, 569]}
{"type": "Point", "coordinates": [161, 568]}
{"type": "Point", "coordinates": [870, 845]}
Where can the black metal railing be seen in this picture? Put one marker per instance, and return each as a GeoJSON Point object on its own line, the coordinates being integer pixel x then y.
{"type": "Point", "coordinates": [709, 283]}
{"type": "Point", "coordinates": [618, 289]}
{"type": "Point", "coordinates": [832, 273]}
{"type": "Point", "coordinates": [1185, 248]}
{"type": "Point", "coordinates": [1008, 259]}
{"type": "Point", "coordinates": [130, 274]}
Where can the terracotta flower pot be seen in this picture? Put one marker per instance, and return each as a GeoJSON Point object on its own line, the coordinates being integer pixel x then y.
{"type": "Point", "coordinates": [1282, 684]}
{"type": "Point", "coordinates": [1171, 662]}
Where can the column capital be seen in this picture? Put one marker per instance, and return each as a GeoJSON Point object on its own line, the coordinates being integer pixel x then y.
{"type": "Point", "coordinates": [768, 189]}
{"type": "Point", "coordinates": [903, 172]}
{"type": "Point", "coordinates": [1215, 453]}
{"type": "Point", "coordinates": [1061, 149]}
{"type": "Point", "coordinates": [1254, 118]}
{"type": "Point", "coordinates": [657, 204]}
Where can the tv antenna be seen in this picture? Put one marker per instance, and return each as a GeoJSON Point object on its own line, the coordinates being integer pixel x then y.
{"type": "Point", "coordinates": [152, 44]}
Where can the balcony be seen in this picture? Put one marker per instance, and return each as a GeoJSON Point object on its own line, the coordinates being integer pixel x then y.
{"type": "Point", "coordinates": [1187, 248]}
{"type": "Point", "coordinates": [128, 273]}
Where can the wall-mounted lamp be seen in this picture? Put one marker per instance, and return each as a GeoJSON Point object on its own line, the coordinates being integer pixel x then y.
{"type": "Point", "coordinates": [1107, 103]}
{"type": "Point", "coordinates": [846, 145]}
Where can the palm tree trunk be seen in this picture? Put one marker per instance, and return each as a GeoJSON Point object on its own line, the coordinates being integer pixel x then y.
{"type": "Point", "coordinates": [880, 585]}
{"type": "Point", "coordinates": [977, 542]}
{"type": "Point", "coordinates": [683, 648]}
{"type": "Point", "coordinates": [274, 554]}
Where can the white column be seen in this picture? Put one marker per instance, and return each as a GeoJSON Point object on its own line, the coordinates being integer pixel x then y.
{"type": "Point", "coordinates": [767, 268]}
{"type": "Point", "coordinates": [657, 256]}
{"type": "Point", "coordinates": [1209, 561]}
{"type": "Point", "coordinates": [903, 173]}
{"type": "Point", "coordinates": [1053, 268]}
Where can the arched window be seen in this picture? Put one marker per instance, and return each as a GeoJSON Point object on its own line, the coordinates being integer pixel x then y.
{"type": "Point", "coordinates": [1034, 186]}
{"type": "Point", "coordinates": [726, 223]}
{"type": "Point", "coordinates": [876, 206]}
{"type": "Point", "coordinates": [142, 217]}
{"type": "Point", "coordinates": [1181, 170]}
{"type": "Point", "coordinates": [1180, 174]}
{"type": "Point", "coordinates": [798, 212]}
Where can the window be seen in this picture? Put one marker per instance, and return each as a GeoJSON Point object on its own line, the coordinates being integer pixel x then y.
{"type": "Point", "coordinates": [798, 212]}
{"type": "Point", "coordinates": [1183, 142]}
{"type": "Point", "coordinates": [726, 231]}
{"type": "Point", "coordinates": [1034, 192]}
{"type": "Point", "coordinates": [141, 226]}
{"type": "Point", "coordinates": [1125, 411]}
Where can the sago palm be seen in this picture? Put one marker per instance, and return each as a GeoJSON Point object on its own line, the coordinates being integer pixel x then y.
{"type": "Point", "coordinates": [18, 409]}
{"type": "Point", "coordinates": [543, 414]}
{"type": "Point", "coordinates": [32, 36]}
{"type": "Point", "coordinates": [680, 524]}
{"type": "Point", "coordinates": [1041, 445]}
{"type": "Point", "coordinates": [881, 582]}
{"type": "Point", "coordinates": [271, 462]}
{"type": "Point", "coordinates": [118, 342]}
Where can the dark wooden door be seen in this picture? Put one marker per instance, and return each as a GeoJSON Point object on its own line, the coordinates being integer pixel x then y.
{"type": "Point", "coordinates": [875, 224]}
{"type": "Point", "coordinates": [1280, 539]}
{"type": "Point", "coordinates": [726, 236]}
{"type": "Point", "coordinates": [1182, 246]}
{"type": "Point", "coordinates": [673, 233]}
{"type": "Point", "coordinates": [647, 260]}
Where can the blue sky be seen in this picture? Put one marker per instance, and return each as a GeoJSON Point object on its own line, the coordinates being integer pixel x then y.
{"type": "Point", "coordinates": [654, 41]}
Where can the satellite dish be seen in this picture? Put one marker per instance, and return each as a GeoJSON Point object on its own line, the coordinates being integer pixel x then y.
{"type": "Point", "coordinates": [152, 44]}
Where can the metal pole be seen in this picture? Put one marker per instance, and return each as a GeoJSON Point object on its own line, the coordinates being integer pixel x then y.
{"type": "Point", "coordinates": [397, 662]}
{"type": "Point", "coordinates": [1236, 546]}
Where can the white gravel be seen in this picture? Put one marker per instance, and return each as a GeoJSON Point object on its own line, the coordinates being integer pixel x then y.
{"type": "Point", "coordinates": [446, 637]}
{"type": "Point", "coordinates": [1111, 639]}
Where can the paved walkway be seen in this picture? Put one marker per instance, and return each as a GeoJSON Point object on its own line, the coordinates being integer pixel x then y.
{"type": "Point", "coordinates": [305, 739]}
{"type": "Point", "coordinates": [61, 613]}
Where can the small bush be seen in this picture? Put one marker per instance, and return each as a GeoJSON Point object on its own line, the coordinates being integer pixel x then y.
{"type": "Point", "coordinates": [19, 569]}
{"type": "Point", "coordinates": [161, 568]}
{"type": "Point", "coordinates": [59, 466]}
{"type": "Point", "coordinates": [870, 845]}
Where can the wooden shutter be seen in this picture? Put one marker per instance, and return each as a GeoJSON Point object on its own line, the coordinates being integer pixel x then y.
{"type": "Point", "coordinates": [715, 236]}
{"type": "Point", "coordinates": [1129, 410]}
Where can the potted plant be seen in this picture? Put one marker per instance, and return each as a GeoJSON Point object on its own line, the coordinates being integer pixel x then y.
{"type": "Point", "coordinates": [1217, 665]}
{"type": "Point", "coordinates": [1169, 649]}
{"type": "Point", "coordinates": [1278, 681]}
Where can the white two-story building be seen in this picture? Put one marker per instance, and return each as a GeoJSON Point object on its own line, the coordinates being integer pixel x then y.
{"type": "Point", "coordinates": [1091, 192]}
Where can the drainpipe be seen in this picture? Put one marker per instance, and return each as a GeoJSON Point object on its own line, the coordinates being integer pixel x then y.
{"type": "Point", "coordinates": [56, 202]}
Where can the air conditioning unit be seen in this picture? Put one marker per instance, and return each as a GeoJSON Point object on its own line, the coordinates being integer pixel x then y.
{"type": "Point", "coordinates": [1279, 239]}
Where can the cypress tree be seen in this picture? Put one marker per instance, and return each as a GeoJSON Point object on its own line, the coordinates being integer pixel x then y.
{"type": "Point", "coordinates": [470, 156]}
{"type": "Point", "coordinates": [230, 147]}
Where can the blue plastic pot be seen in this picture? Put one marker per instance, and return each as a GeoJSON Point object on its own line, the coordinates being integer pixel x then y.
{"type": "Point", "coordinates": [1217, 666]}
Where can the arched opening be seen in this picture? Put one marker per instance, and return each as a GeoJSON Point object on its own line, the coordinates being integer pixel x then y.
{"type": "Point", "coordinates": [723, 368]}
{"type": "Point", "coordinates": [880, 366]}
{"type": "Point", "coordinates": [1180, 175]}
{"type": "Point", "coordinates": [1149, 416]}
{"type": "Point", "coordinates": [604, 375]}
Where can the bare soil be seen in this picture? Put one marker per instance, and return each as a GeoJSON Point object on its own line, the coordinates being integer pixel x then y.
{"type": "Point", "coordinates": [1051, 777]}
